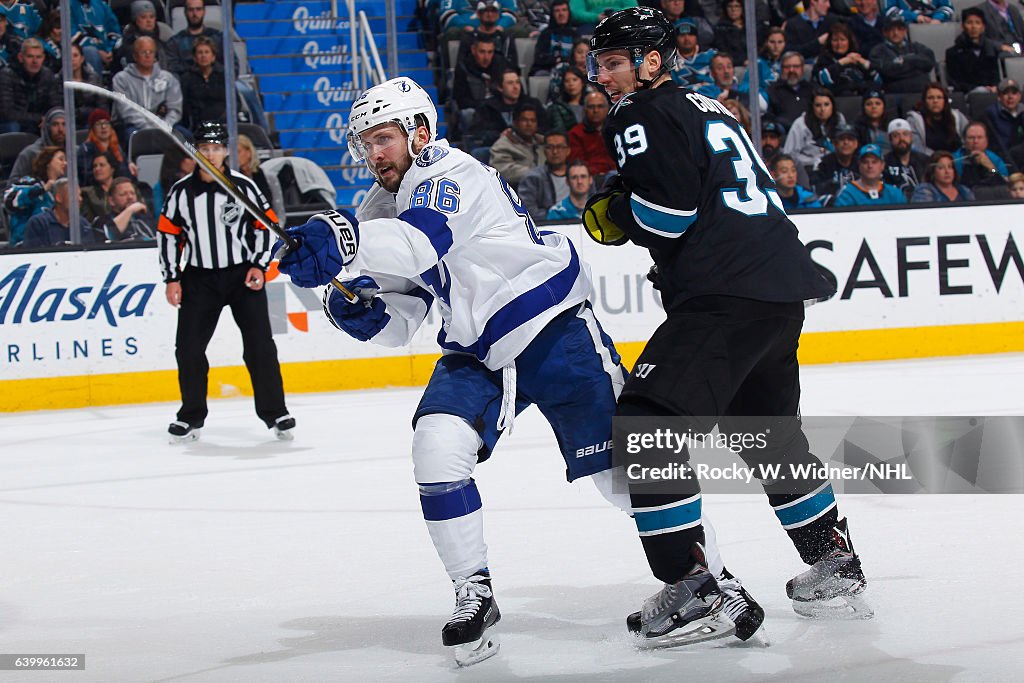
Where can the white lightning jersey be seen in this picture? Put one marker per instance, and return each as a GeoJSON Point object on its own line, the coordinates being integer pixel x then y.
{"type": "Point", "coordinates": [458, 234]}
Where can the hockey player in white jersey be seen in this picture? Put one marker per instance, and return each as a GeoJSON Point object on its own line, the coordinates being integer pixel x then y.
{"type": "Point", "coordinates": [517, 329]}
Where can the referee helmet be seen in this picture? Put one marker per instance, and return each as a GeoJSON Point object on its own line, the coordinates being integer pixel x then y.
{"type": "Point", "coordinates": [211, 132]}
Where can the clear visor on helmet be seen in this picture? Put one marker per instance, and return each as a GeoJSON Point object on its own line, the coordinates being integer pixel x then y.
{"type": "Point", "coordinates": [610, 61]}
{"type": "Point", "coordinates": [377, 139]}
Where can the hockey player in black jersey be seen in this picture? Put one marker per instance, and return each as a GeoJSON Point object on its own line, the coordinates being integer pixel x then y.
{"type": "Point", "coordinates": [734, 277]}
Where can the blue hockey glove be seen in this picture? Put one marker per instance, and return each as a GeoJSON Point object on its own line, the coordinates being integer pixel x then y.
{"type": "Point", "coordinates": [327, 243]}
{"type": "Point", "coordinates": [361, 319]}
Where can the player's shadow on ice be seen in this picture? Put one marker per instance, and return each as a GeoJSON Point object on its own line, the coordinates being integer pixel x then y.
{"type": "Point", "coordinates": [539, 621]}
{"type": "Point", "coordinates": [240, 444]}
{"type": "Point", "coordinates": [411, 634]}
{"type": "Point", "coordinates": [347, 635]}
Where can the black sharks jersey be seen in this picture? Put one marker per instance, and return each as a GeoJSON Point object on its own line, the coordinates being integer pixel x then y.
{"type": "Point", "coordinates": [701, 199]}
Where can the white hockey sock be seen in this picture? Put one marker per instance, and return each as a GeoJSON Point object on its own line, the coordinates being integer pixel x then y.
{"type": "Point", "coordinates": [456, 525]}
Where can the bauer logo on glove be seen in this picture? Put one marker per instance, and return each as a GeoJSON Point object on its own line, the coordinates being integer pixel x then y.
{"type": "Point", "coordinates": [344, 226]}
{"type": "Point", "coordinates": [326, 244]}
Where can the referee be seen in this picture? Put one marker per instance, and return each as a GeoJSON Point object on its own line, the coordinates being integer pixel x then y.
{"type": "Point", "coordinates": [212, 255]}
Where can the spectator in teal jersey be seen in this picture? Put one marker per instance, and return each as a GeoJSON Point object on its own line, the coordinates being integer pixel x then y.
{"type": "Point", "coordinates": [22, 18]}
{"type": "Point", "coordinates": [99, 29]}
{"type": "Point", "coordinates": [976, 164]}
{"type": "Point", "coordinates": [28, 196]}
{"type": "Point", "coordinates": [589, 12]}
{"type": "Point", "coordinates": [922, 11]}
{"type": "Point", "coordinates": [868, 189]}
{"type": "Point", "coordinates": [49, 36]}
{"type": "Point", "coordinates": [581, 187]}
{"type": "Point", "coordinates": [769, 61]}
{"type": "Point", "coordinates": [458, 15]}
{"type": "Point", "coordinates": [10, 43]}
{"type": "Point", "coordinates": [693, 67]}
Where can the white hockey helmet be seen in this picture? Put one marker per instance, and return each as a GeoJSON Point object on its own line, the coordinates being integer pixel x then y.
{"type": "Point", "coordinates": [396, 101]}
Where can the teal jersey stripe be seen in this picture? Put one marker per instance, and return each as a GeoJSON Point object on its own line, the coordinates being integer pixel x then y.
{"type": "Point", "coordinates": [806, 509]}
{"type": "Point", "coordinates": [668, 518]}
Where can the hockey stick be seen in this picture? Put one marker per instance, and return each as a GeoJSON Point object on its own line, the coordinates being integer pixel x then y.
{"type": "Point", "coordinates": [217, 174]}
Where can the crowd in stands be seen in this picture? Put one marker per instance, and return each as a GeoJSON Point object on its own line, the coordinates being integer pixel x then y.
{"type": "Point", "coordinates": [177, 76]}
{"type": "Point", "coordinates": [855, 110]}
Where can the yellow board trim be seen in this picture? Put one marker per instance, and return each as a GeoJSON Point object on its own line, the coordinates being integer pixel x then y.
{"type": "Point", "coordinates": [50, 393]}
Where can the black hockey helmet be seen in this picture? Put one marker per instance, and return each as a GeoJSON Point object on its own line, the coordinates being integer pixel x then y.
{"type": "Point", "coordinates": [637, 30]}
{"type": "Point", "coordinates": [209, 132]}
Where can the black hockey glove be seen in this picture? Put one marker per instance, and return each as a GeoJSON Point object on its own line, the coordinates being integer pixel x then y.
{"type": "Point", "coordinates": [598, 223]}
{"type": "Point", "coordinates": [654, 277]}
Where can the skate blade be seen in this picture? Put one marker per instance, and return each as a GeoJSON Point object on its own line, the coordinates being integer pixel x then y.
{"type": "Point", "coordinates": [475, 652]}
{"type": "Point", "coordinates": [840, 607]}
{"type": "Point", "coordinates": [284, 435]}
{"type": "Point", "coordinates": [761, 638]}
{"type": "Point", "coordinates": [710, 628]}
{"type": "Point", "coordinates": [191, 436]}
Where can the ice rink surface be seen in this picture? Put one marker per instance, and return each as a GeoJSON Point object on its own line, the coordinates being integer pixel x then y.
{"type": "Point", "coordinates": [241, 558]}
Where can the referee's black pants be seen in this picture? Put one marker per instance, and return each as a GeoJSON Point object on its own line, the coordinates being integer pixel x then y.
{"type": "Point", "coordinates": [721, 358]}
{"type": "Point", "coordinates": [204, 294]}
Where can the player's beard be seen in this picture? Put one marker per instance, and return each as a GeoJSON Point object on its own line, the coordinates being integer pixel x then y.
{"type": "Point", "coordinates": [390, 173]}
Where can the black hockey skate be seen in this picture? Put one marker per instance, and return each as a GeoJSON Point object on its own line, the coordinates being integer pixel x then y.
{"type": "Point", "coordinates": [475, 612]}
{"type": "Point", "coordinates": [739, 606]}
{"type": "Point", "coordinates": [832, 587]}
{"type": "Point", "coordinates": [182, 432]}
{"type": "Point", "coordinates": [283, 427]}
{"type": "Point", "coordinates": [685, 612]}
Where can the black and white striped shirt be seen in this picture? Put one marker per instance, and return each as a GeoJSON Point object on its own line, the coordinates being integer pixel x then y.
{"type": "Point", "coordinates": [202, 226]}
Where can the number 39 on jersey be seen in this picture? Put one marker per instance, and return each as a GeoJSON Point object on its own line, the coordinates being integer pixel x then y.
{"type": "Point", "coordinates": [631, 142]}
{"type": "Point", "coordinates": [748, 196]}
